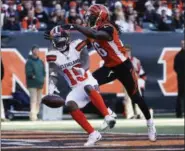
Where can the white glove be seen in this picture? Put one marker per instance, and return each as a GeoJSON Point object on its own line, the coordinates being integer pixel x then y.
{"type": "Point", "coordinates": [80, 71]}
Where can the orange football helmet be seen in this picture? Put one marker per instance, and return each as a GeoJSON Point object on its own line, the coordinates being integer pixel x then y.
{"type": "Point", "coordinates": [97, 15]}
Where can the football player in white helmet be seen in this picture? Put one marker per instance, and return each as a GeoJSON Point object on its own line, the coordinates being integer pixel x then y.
{"type": "Point", "coordinates": [66, 56]}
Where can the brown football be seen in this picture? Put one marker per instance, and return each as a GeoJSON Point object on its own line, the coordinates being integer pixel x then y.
{"type": "Point", "coordinates": [53, 101]}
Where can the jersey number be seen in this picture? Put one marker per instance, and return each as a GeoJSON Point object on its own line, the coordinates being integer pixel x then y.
{"type": "Point", "coordinates": [100, 50]}
{"type": "Point", "coordinates": [70, 73]}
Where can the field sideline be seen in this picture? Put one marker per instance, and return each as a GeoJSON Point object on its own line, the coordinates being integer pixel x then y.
{"type": "Point", "coordinates": [164, 126]}
{"type": "Point", "coordinates": [68, 136]}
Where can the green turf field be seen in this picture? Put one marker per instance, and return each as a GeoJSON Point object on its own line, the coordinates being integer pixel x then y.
{"type": "Point", "coordinates": [164, 126]}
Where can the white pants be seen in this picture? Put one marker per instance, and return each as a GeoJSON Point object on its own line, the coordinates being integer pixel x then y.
{"type": "Point", "coordinates": [35, 100]}
{"type": "Point", "coordinates": [78, 94]}
{"type": "Point", "coordinates": [129, 110]}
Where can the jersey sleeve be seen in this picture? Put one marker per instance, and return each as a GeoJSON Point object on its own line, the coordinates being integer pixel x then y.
{"type": "Point", "coordinates": [81, 45]}
{"type": "Point", "coordinates": [51, 57]}
{"type": "Point", "coordinates": [108, 29]}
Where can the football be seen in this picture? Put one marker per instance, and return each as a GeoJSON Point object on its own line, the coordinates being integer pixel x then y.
{"type": "Point", "coordinates": [53, 101]}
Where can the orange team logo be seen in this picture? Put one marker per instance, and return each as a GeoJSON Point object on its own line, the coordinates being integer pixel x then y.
{"type": "Point", "coordinates": [168, 84]}
{"type": "Point", "coordinates": [14, 65]}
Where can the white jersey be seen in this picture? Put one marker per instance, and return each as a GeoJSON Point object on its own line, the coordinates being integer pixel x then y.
{"type": "Point", "coordinates": [75, 75]}
{"type": "Point", "coordinates": [70, 64]}
{"type": "Point", "coordinates": [137, 66]}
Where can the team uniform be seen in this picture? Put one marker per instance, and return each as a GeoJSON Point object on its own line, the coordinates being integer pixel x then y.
{"type": "Point", "coordinates": [117, 65]}
{"type": "Point", "coordinates": [76, 80]}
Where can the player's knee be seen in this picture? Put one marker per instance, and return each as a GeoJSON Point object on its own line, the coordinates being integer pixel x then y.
{"type": "Point", "coordinates": [71, 106]}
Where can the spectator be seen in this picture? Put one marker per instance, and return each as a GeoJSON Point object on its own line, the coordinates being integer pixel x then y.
{"type": "Point", "coordinates": [131, 23]}
{"type": "Point", "coordinates": [73, 5]}
{"type": "Point", "coordinates": [27, 6]}
{"type": "Point", "coordinates": [11, 11]}
{"type": "Point", "coordinates": [119, 17]}
{"type": "Point", "coordinates": [35, 75]}
{"type": "Point", "coordinates": [30, 22]}
{"type": "Point", "coordinates": [165, 22]}
{"type": "Point", "coordinates": [179, 67]}
{"type": "Point", "coordinates": [51, 6]}
{"type": "Point", "coordinates": [58, 18]}
{"type": "Point", "coordinates": [40, 13]}
{"type": "Point", "coordinates": [55, 9]}
{"type": "Point", "coordinates": [84, 9]}
{"type": "Point", "coordinates": [11, 24]}
{"type": "Point", "coordinates": [72, 16]}
{"type": "Point", "coordinates": [163, 6]}
{"type": "Point", "coordinates": [130, 9]}
{"type": "Point", "coordinates": [79, 21]}
{"type": "Point", "coordinates": [178, 19]}
{"type": "Point", "coordinates": [3, 118]}
{"type": "Point", "coordinates": [150, 14]}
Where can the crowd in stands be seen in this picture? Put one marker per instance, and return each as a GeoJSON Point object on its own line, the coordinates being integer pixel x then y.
{"type": "Point", "coordinates": [129, 15]}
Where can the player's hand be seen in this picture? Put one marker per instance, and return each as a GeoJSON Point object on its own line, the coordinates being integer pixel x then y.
{"type": "Point", "coordinates": [68, 27]}
{"type": "Point", "coordinates": [47, 35]}
{"type": "Point", "coordinates": [80, 71]}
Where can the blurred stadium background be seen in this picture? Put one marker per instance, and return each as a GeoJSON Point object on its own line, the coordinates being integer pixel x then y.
{"type": "Point", "coordinates": [154, 30]}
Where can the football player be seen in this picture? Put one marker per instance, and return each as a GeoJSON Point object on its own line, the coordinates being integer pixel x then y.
{"type": "Point", "coordinates": [84, 88]}
{"type": "Point", "coordinates": [104, 37]}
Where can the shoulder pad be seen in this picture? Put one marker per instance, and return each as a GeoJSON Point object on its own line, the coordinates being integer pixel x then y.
{"type": "Point", "coordinates": [51, 56]}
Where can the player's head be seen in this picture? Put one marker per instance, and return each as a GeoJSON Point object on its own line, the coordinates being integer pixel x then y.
{"type": "Point", "coordinates": [60, 38]}
{"type": "Point", "coordinates": [97, 15]}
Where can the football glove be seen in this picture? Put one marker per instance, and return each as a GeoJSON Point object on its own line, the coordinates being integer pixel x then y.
{"type": "Point", "coordinates": [47, 35]}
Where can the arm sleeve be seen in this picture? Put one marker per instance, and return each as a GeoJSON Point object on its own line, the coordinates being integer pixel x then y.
{"type": "Point", "coordinates": [108, 29]}
{"type": "Point", "coordinates": [51, 57]}
{"type": "Point", "coordinates": [82, 45]}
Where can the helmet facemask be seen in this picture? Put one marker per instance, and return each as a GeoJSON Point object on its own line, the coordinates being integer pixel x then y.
{"type": "Point", "coordinates": [91, 20]}
{"type": "Point", "coordinates": [61, 43]}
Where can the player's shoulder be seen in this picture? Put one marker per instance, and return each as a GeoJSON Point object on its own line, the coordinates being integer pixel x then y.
{"type": "Point", "coordinates": [52, 56]}
{"type": "Point", "coordinates": [78, 44]}
{"type": "Point", "coordinates": [109, 28]}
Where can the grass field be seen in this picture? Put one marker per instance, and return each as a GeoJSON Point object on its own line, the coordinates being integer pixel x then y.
{"type": "Point", "coordinates": [68, 136]}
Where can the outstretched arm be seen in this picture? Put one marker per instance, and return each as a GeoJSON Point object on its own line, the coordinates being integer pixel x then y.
{"type": "Point", "coordinates": [89, 32]}
{"type": "Point", "coordinates": [92, 33]}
